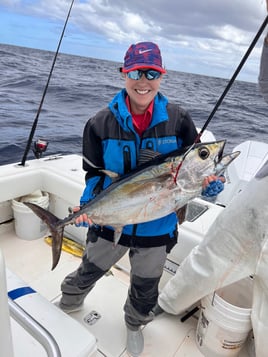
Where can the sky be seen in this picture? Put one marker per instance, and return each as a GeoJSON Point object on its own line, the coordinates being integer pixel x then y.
{"type": "Point", "coordinates": [208, 37]}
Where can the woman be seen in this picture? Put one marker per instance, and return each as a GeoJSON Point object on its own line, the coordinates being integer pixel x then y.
{"type": "Point", "coordinates": [138, 118]}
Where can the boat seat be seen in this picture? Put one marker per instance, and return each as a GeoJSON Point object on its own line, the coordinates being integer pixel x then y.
{"type": "Point", "coordinates": [73, 340]}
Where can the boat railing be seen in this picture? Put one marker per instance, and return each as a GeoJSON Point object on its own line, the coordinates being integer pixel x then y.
{"type": "Point", "coordinates": [33, 327]}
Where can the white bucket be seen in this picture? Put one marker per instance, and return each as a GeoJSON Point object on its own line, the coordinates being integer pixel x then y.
{"type": "Point", "coordinates": [225, 320]}
{"type": "Point", "coordinates": [28, 225]}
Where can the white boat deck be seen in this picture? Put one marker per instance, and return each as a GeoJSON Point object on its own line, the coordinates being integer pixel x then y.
{"type": "Point", "coordinates": [166, 336]}
{"type": "Point", "coordinates": [29, 261]}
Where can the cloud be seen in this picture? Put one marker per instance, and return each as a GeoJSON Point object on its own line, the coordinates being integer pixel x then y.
{"type": "Point", "coordinates": [192, 34]}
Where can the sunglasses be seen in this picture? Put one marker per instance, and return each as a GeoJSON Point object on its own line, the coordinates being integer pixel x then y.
{"type": "Point", "coordinates": [150, 74]}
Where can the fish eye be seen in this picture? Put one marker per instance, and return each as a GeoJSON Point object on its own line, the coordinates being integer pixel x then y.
{"type": "Point", "coordinates": [203, 152]}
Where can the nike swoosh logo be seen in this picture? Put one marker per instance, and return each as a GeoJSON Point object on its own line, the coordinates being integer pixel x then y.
{"type": "Point", "coordinates": [143, 51]}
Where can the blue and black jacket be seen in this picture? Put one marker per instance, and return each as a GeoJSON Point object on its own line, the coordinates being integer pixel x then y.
{"type": "Point", "coordinates": [110, 142]}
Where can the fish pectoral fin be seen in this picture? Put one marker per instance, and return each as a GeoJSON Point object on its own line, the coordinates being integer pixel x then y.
{"type": "Point", "coordinates": [117, 234]}
{"type": "Point", "coordinates": [111, 174]}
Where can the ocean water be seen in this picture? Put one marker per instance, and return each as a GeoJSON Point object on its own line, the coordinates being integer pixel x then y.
{"type": "Point", "coordinates": [80, 86]}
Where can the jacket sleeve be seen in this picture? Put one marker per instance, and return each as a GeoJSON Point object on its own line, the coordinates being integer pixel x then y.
{"type": "Point", "coordinates": [92, 162]}
{"type": "Point", "coordinates": [92, 150]}
{"type": "Point", "coordinates": [263, 75]}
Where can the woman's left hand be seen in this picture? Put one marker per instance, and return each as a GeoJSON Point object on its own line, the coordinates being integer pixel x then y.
{"type": "Point", "coordinates": [212, 185]}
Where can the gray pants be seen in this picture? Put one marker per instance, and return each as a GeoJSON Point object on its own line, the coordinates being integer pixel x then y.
{"type": "Point", "coordinates": [146, 269]}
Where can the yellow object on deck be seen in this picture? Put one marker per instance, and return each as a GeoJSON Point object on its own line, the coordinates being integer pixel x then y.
{"type": "Point", "coordinates": [69, 246]}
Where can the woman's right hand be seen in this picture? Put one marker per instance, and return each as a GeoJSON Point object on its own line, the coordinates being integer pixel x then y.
{"type": "Point", "coordinates": [83, 220]}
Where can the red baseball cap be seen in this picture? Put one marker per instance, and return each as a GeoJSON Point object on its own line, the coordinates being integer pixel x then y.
{"type": "Point", "coordinates": [143, 55]}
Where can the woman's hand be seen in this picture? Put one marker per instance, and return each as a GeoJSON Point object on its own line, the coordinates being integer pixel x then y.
{"type": "Point", "coordinates": [212, 178]}
{"type": "Point", "coordinates": [83, 220]}
{"type": "Point", "coordinates": [213, 185]}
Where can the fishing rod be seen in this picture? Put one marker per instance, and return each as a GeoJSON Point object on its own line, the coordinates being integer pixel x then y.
{"type": "Point", "coordinates": [30, 139]}
{"type": "Point", "coordinates": [226, 90]}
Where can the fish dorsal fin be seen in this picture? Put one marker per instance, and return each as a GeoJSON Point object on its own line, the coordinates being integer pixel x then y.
{"type": "Point", "coordinates": [147, 155]}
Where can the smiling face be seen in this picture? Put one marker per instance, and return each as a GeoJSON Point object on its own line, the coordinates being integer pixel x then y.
{"type": "Point", "coordinates": [141, 92]}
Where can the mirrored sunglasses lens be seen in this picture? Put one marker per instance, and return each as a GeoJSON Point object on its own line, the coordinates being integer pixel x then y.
{"type": "Point", "coordinates": [134, 74]}
{"type": "Point", "coordinates": [151, 74]}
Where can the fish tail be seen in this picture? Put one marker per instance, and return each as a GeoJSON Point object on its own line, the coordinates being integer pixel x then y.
{"type": "Point", "coordinates": [55, 227]}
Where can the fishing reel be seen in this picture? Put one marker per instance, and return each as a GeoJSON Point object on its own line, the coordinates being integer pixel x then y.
{"type": "Point", "coordinates": [40, 147]}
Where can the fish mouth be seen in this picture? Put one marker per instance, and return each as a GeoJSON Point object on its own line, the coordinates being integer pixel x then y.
{"type": "Point", "coordinates": [221, 161]}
